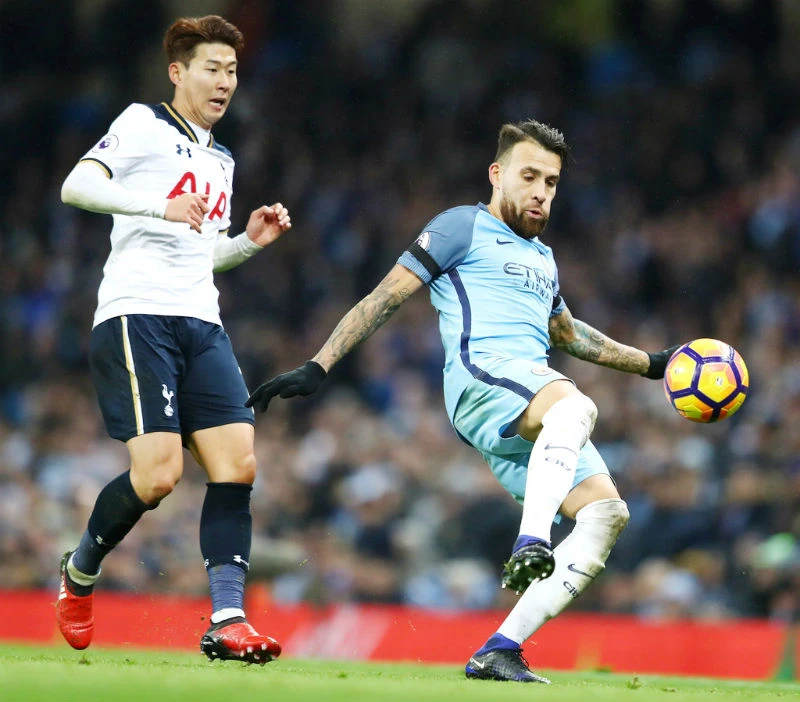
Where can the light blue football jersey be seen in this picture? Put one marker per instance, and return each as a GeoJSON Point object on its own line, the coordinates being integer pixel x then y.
{"type": "Point", "coordinates": [493, 290]}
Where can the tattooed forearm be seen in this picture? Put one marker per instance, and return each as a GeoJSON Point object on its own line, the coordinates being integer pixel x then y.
{"type": "Point", "coordinates": [364, 319]}
{"type": "Point", "coordinates": [587, 343]}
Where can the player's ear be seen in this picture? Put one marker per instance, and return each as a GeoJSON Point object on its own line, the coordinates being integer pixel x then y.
{"type": "Point", "coordinates": [175, 71]}
{"type": "Point", "coordinates": [495, 171]}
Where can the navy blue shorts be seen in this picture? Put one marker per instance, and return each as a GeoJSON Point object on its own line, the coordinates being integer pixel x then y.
{"type": "Point", "coordinates": [158, 373]}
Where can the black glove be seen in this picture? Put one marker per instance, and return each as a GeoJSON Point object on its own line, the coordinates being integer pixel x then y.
{"type": "Point", "coordinates": [658, 362]}
{"type": "Point", "coordinates": [304, 380]}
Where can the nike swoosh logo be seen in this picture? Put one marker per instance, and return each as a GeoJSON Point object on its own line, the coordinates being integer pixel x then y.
{"type": "Point", "coordinates": [472, 661]}
{"type": "Point", "coordinates": [572, 567]}
{"type": "Point", "coordinates": [504, 241]}
{"type": "Point", "coordinates": [556, 446]}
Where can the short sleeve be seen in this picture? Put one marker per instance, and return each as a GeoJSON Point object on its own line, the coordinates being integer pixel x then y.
{"type": "Point", "coordinates": [442, 245]}
{"type": "Point", "coordinates": [125, 143]}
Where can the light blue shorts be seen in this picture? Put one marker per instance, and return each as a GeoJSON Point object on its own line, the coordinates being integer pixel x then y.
{"type": "Point", "coordinates": [486, 414]}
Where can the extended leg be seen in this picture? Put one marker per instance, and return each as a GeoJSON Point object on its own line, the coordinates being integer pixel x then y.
{"type": "Point", "coordinates": [156, 465]}
{"type": "Point", "coordinates": [566, 427]}
{"type": "Point", "coordinates": [579, 560]}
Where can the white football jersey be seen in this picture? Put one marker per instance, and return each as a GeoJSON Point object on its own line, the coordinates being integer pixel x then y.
{"type": "Point", "coordinates": [155, 266]}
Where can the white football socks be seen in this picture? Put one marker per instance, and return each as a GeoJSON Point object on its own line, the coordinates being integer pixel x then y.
{"type": "Point", "coordinates": [566, 427]}
{"type": "Point", "coordinates": [226, 613]}
{"type": "Point", "coordinates": [579, 560]}
{"type": "Point", "coordinates": [80, 578]}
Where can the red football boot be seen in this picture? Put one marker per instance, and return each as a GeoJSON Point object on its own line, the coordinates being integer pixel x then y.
{"type": "Point", "coordinates": [235, 640]}
{"type": "Point", "coordinates": [74, 612]}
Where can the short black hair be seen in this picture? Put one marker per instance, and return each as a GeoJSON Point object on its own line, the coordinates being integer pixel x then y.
{"type": "Point", "coordinates": [531, 130]}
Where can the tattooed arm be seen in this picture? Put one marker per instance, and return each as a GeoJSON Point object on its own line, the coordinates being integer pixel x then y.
{"type": "Point", "coordinates": [368, 315]}
{"type": "Point", "coordinates": [358, 324]}
{"type": "Point", "coordinates": [582, 341]}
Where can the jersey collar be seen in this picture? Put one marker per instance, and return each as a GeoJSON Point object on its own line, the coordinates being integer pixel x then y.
{"type": "Point", "coordinates": [183, 125]}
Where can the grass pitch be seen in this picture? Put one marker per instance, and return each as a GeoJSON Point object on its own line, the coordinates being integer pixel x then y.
{"type": "Point", "coordinates": [57, 673]}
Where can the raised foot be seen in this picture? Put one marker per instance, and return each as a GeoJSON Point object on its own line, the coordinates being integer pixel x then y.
{"type": "Point", "coordinates": [527, 565]}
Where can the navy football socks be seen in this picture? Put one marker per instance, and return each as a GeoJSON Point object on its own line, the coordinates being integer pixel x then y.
{"type": "Point", "coordinates": [225, 537]}
{"type": "Point", "coordinates": [116, 511]}
{"type": "Point", "coordinates": [226, 582]}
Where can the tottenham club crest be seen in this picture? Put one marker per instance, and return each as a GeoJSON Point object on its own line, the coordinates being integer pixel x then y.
{"type": "Point", "coordinates": [167, 395]}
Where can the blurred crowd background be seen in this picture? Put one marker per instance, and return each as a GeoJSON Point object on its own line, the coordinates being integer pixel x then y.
{"type": "Point", "coordinates": [680, 218]}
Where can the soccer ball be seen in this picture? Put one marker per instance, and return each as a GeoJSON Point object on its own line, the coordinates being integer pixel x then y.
{"type": "Point", "coordinates": [706, 380]}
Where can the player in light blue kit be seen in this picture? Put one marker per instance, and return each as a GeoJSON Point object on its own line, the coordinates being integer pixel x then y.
{"type": "Point", "coordinates": [495, 286]}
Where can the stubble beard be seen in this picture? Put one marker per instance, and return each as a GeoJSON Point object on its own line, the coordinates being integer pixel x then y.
{"type": "Point", "coordinates": [521, 225]}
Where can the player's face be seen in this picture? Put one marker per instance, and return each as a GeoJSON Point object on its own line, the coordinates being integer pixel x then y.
{"type": "Point", "coordinates": [524, 187]}
{"type": "Point", "coordinates": [204, 88]}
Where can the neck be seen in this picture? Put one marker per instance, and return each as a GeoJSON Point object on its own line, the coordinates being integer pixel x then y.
{"type": "Point", "coordinates": [187, 114]}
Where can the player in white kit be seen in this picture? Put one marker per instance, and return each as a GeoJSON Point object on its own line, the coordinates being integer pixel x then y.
{"type": "Point", "coordinates": [165, 373]}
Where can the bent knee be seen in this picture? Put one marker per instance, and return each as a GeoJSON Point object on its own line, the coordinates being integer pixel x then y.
{"type": "Point", "coordinates": [245, 469]}
{"type": "Point", "coordinates": [159, 489]}
{"type": "Point", "coordinates": [619, 515]}
{"type": "Point", "coordinates": [161, 485]}
{"type": "Point", "coordinates": [612, 512]}
{"type": "Point", "coordinates": [154, 484]}
{"type": "Point", "coordinates": [239, 470]}
{"type": "Point", "coordinates": [569, 409]}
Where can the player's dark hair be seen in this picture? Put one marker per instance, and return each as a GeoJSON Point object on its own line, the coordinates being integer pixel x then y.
{"type": "Point", "coordinates": [531, 130]}
{"type": "Point", "coordinates": [183, 36]}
